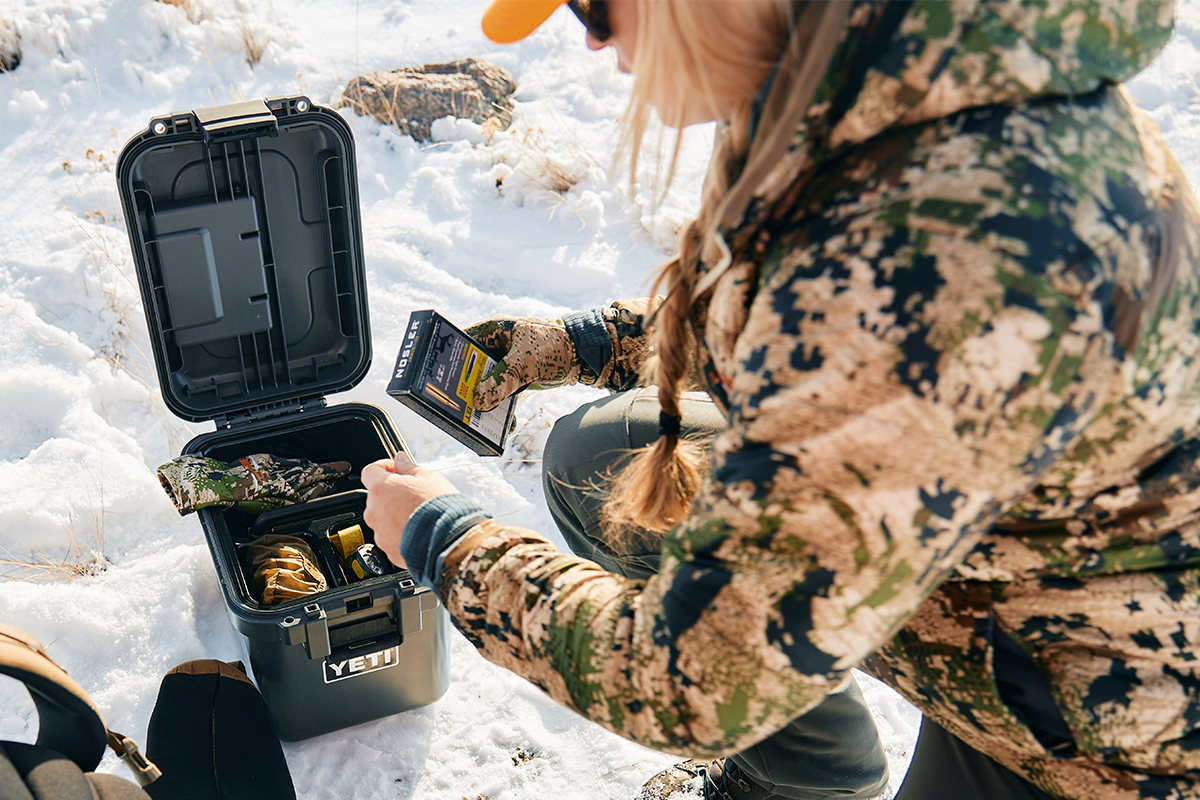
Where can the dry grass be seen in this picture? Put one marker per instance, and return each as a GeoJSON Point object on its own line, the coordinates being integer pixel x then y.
{"type": "Point", "coordinates": [358, 106]}
{"type": "Point", "coordinates": [254, 40]}
{"type": "Point", "coordinates": [106, 267]}
{"type": "Point", "coordinates": [556, 178]}
{"type": "Point", "coordinates": [548, 173]}
{"type": "Point", "coordinates": [99, 235]}
{"type": "Point", "coordinates": [193, 10]}
{"type": "Point", "coordinates": [83, 558]}
{"type": "Point", "coordinates": [10, 46]}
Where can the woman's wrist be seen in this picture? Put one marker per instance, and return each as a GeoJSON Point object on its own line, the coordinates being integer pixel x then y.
{"type": "Point", "coordinates": [589, 336]}
{"type": "Point", "coordinates": [433, 528]}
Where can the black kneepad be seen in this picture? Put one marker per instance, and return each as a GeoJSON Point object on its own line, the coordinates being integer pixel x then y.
{"type": "Point", "coordinates": [212, 737]}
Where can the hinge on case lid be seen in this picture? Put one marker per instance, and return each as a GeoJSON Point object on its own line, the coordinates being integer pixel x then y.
{"type": "Point", "coordinates": [231, 420]}
{"type": "Point", "coordinates": [286, 105]}
{"type": "Point", "coordinates": [250, 119]}
{"type": "Point", "coordinates": [258, 414]}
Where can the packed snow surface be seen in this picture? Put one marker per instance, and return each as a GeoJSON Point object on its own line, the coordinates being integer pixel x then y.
{"type": "Point", "coordinates": [533, 220]}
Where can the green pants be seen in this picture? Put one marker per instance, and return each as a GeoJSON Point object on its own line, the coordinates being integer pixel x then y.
{"type": "Point", "coordinates": [833, 751]}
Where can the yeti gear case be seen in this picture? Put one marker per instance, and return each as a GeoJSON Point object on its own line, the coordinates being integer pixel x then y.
{"type": "Point", "coordinates": [244, 225]}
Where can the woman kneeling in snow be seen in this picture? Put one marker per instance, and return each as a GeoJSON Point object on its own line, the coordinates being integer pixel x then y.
{"type": "Point", "coordinates": [941, 305]}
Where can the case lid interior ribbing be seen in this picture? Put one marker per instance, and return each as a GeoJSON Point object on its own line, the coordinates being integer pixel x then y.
{"type": "Point", "coordinates": [244, 225]}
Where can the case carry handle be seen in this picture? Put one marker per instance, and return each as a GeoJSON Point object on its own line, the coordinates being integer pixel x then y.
{"type": "Point", "coordinates": [248, 120]}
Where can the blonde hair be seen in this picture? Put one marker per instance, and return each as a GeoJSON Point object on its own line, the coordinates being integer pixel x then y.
{"type": "Point", "coordinates": [693, 58]}
{"type": "Point", "coordinates": [716, 50]}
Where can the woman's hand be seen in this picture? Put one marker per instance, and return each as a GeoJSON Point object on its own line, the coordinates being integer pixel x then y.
{"type": "Point", "coordinates": [394, 490]}
{"type": "Point", "coordinates": [537, 353]}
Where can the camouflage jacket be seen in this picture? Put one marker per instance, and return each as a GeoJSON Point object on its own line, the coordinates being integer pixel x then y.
{"type": "Point", "coordinates": [959, 353]}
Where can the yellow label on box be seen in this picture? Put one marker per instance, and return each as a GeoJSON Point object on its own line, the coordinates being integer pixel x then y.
{"type": "Point", "coordinates": [473, 368]}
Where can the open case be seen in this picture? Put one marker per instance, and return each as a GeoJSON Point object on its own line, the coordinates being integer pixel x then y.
{"type": "Point", "coordinates": [244, 225]}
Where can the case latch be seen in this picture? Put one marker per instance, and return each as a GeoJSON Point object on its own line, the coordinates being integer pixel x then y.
{"type": "Point", "coordinates": [410, 602]}
{"type": "Point", "coordinates": [247, 120]}
{"type": "Point", "coordinates": [315, 626]}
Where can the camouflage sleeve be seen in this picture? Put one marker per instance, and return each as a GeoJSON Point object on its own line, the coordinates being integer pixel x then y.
{"type": "Point", "coordinates": [903, 372]}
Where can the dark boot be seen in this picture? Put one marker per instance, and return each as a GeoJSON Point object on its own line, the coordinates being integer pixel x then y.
{"type": "Point", "coordinates": [719, 779]}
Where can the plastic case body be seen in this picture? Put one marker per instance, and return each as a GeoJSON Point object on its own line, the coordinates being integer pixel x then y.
{"type": "Point", "coordinates": [244, 226]}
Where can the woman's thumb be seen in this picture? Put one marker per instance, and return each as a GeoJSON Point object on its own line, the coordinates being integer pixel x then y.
{"type": "Point", "coordinates": [493, 387]}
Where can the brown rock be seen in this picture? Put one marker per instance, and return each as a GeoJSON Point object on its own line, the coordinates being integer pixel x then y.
{"type": "Point", "coordinates": [411, 98]}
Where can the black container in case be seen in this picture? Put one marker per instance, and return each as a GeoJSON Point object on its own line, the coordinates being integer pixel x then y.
{"type": "Point", "coordinates": [245, 230]}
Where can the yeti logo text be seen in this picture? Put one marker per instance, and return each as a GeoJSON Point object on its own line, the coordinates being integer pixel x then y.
{"type": "Point", "coordinates": [360, 665]}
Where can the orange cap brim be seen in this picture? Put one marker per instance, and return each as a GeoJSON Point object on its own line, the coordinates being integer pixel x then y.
{"type": "Point", "coordinates": [508, 21]}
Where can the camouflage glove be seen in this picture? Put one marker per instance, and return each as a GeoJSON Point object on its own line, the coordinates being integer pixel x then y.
{"type": "Point", "coordinates": [252, 484]}
{"type": "Point", "coordinates": [539, 353]}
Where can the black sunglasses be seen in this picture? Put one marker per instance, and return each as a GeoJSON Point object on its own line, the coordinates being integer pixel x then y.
{"type": "Point", "coordinates": [594, 16]}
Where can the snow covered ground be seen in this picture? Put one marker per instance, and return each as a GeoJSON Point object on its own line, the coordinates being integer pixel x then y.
{"type": "Point", "coordinates": [97, 563]}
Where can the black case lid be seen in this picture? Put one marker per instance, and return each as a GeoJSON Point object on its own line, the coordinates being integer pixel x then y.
{"type": "Point", "coordinates": [246, 236]}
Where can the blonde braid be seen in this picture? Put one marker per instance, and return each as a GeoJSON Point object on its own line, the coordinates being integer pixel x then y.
{"type": "Point", "coordinates": [655, 489]}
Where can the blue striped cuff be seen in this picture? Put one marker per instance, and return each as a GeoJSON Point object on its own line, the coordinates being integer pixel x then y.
{"type": "Point", "coordinates": [433, 529]}
{"type": "Point", "coordinates": [590, 335]}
